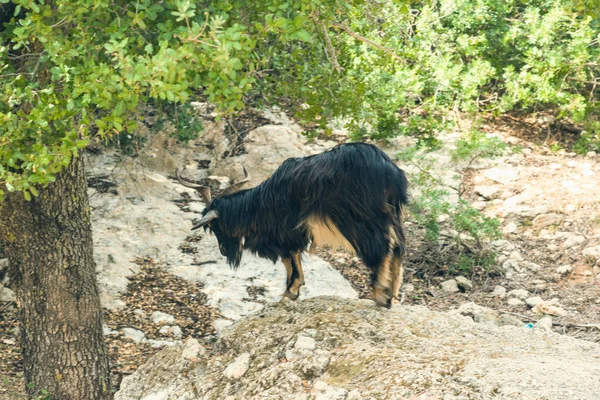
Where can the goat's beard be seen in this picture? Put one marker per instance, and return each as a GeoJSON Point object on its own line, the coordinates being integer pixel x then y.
{"type": "Point", "coordinates": [233, 252]}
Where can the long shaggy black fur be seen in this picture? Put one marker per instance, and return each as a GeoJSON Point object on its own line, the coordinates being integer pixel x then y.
{"type": "Point", "coordinates": [355, 186]}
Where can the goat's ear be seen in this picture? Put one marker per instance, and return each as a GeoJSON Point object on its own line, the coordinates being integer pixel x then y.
{"type": "Point", "coordinates": [212, 214]}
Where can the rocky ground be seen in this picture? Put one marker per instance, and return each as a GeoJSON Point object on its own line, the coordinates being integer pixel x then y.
{"type": "Point", "coordinates": [334, 348]}
{"type": "Point", "coordinates": [162, 285]}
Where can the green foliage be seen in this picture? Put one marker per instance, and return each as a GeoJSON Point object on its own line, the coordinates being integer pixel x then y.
{"type": "Point", "coordinates": [469, 56]}
{"type": "Point", "coordinates": [71, 69]}
{"type": "Point", "coordinates": [76, 69]}
{"type": "Point", "coordinates": [589, 140]}
{"type": "Point", "coordinates": [477, 144]}
{"type": "Point", "coordinates": [438, 207]}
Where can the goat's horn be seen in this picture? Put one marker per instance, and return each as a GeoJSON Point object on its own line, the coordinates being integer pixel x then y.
{"type": "Point", "coordinates": [238, 185]}
{"type": "Point", "coordinates": [212, 214]}
{"type": "Point", "coordinates": [203, 190]}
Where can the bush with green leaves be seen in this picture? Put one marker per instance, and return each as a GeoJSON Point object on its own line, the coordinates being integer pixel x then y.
{"type": "Point", "coordinates": [408, 66]}
{"type": "Point", "coordinates": [440, 209]}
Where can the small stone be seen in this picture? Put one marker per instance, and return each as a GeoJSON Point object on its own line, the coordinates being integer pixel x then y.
{"type": "Point", "coordinates": [106, 331]}
{"type": "Point", "coordinates": [6, 295]}
{"type": "Point", "coordinates": [354, 395]}
{"type": "Point", "coordinates": [570, 208]}
{"type": "Point", "coordinates": [289, 355]}
{"type": "Point", "coordinates": [511, 227]}
{"type": "Point", "coordinates": [545, 324]}
{"type": "Point", "coordinates": [464, 283]}
{"type": "Point", "coordinates": [192, 349]}
{"type": "Point", "coordinates": [160, 317]}
{"type": "Point", "coordinates": [506, 194]}
{"type": "Point", "coordinates": [553, 247]}
{"type": "Point", "coordinates": [564, 269]}
{"type": "Point", "coordinates": [503, 175]}
{"type": "Point", "coordinates": [573, 241]}
{"type": "Point", "coordinates": [479, 205]}
{"type": "Point", "coordinates": [503, 245]}
{"type": "Point", "coordinates": [450, 286]}
{"type": "Point", "coordinates": [238, 367]}
{"type": "Point", "coordinates": [168, 330]}
{"type": "Point", "coordinates": [499, 291]}
{"type": "Point", "coordinates": [533, 301]}
{"type": "Point", "coordinates": [515, 255]}
{"type": "Point", "coordinates": [160, 343]}
{"type": "Point", "coordinates": [134, 334]}
{"type": "Point", "coordinates": [487, 192]}
{"type": "Point", "coordinates": [305, 343]}
{"type": "Point", "coordinates": [549, 309]}
{"type": "Point", "coordinates": [545, 220]}
{"type": "Point", "coordinates": [592, 252]}
{"type": "Point", "coordinates": [139, 312]}
{"type": "Point", "coordinates": [514, 302]}
{"type": "Point", "coordinates": [196, 207]}
{"type": "Point", "coordinates": [521, 294]}
{"type": "Point", "coordinates": [590, 154]}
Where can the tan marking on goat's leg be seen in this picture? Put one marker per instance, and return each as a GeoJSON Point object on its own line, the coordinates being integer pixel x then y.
{"type": "Point", "coordinates": [382, 285]}
{"type": "Point", "coordinates": [389, 274]}
{"type": "Point", "coordinates": [293, 291]}
{"type": "Point", "coordinates": [298, 264]}
{"type": "Point", "coordinates": [397, 278]}
{"type": "Point", "coordinates": [287, 262]}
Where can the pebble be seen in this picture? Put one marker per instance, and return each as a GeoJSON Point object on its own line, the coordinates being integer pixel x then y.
{"type": "Point", "coordinates": [570, 208]}
{"type": "Point", "coordinates": [168, 330]}
{"type": "Point", "coordinates": [547, 308]}
{"type": "Point", "coordinates": [160, 317]}
{"type": "Point", "coordinates": [511, 227]}
{"type": "Point", "coordinates": [564, 269]}
{"type": "Point", "coordinates": [544, 323]}
{"type": "Point", "coordinates": [238, 367]}
{"type": "Point", "coordinates": [192, 349]}
{"type": "Point", "coordinates": [6, 294]}
{"type": "Point", "coordinates": [487, 192]}
{"type": "Point", "coordinates": [545, 220]}
{"type": "Point", "coordinates": [592, 252]}
{"type": "Point", "coordinates": [573, 241]}
{"type": "Point", "coordinates": [514, 302]}
{"type": "Point", "coordinates": [464, 283]}
{"type": "Point", "coordinates": [533, 301]}
{"type": "Point", "coordinates": [305, 343]}
{"type": "Point", "coordinates": [499, 291]}
{"type": "Point", "coordinates": [521, 294]}
{"type": "Point", "coordinates": [515, 255]}
{"type": "Point", "coordinates": [450, 286]}
{"type": "Point", "coordinates": [134, 334]}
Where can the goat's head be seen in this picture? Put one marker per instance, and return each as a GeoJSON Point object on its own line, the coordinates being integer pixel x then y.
{"type": "Point", "coordinates": [230, 243]}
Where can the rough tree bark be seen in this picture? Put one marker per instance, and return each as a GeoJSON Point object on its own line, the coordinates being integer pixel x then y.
{"type": "Point", "coordinates": [48, 241]}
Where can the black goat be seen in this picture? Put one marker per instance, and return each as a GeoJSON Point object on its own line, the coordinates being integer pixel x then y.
{"type": "Point", "coordinates": [351, 196]}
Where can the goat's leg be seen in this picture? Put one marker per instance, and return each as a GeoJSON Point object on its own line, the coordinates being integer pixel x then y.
{"type": "Point", "coordinates": [296, 277]}
{"type": "Point", "coordinates": [382, 285]}
{"type": "Point", "coordinates": [289, 269]}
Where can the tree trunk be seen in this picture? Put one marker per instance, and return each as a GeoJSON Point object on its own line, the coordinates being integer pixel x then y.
{"type": "Point", "coordinates": [48, 241]}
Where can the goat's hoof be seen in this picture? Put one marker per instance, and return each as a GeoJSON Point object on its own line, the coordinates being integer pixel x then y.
{"type": "Point", "coordinates": [291, 295]}
{"type": "Point", "coordinates": [382, 299]}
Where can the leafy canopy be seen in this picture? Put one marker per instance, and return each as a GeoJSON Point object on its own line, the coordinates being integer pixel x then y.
{"type": "Point", "coordinates": [72, 69]}
{"type": "Point", "coordinates": [80, 68]}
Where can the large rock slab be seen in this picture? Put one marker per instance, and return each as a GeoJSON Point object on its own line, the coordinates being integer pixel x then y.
{"type": "Point", "coordinates": [364, 351]}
